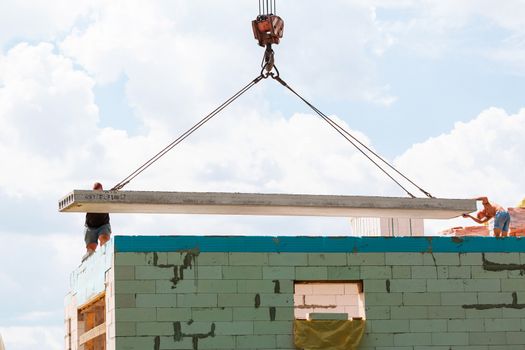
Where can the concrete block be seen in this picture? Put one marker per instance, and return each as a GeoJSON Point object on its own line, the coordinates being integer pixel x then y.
{"type": "Point", "coordinates": [154, 328]}
{"type": "Point", "coordinates": [248, 259]}
{"type": "Point", "coordinates": [153, 273]}
{"type": "Point", "coordinates": [515, 338]}
{"type": "Point", "coordinates": [376, 272]}
{"type": "Point", "coordinates": [448, 285]}
{"type": "Point", "coordinates": [126, 329]}
{"type": "Point", "coordinates": [217, 342]}
{"type": "Point", "coordinates": [359, 259]}
{"type": "Point", "coordinates": [328, 316]}
{"type": "Point", "coordinates": [135, 343]}
{"type": "Point", "coordinates": [284, 341]}
{"type": "Point", "coordinates": [412, 259]}
{"type": "Point", "coordinates": [375, 286]}
{"type": "Point", "coordinates": [196, 300]}
{"type": "Point", "coordinates": [212, 259]}
{"type": "Point", "coordinates": [136, 314]}
{"type": "Point", "coordinates": [401, 272]}
{"type": "Point", "coordinates": [502, 325]}
{"type": "Point", "coordinates": [135, 286]}
{"type": "Point", "coordinates": [515, 274]}
{"type": "Point", "coordinates": [211, 314]}
{"type": "Point", "coordinates": [262, 341]}
{"type": "Point", "coordinates": [256, 286]}
{"type": "Point", "coordinates": [512, 285]}
{"type": "Point", "coordinates": [124, 272]}
{"type": "Point", "coordinates": [466, 259]}
{"type": "Point", "coordinates": [285, 286]}
{"type": "Point", "coordinates": [288, 259]}
{"type": "Point", "coordinates": [125, 301]}
{"type": "Point", "coordinates": [388, 326]}
{"type": "Point", "coordinates": [344, 273]}
{"type": "Point", "coordinates": [172, 314]}
{"type": "Point", "coordinates": [459, 272]}
{"type": "Point", "coordinates": [182, 286]}
{"type": "Point", "coordinates": [129, 259]}
{"type": "Point", "coordinates": [193, 327]}
{"type": "Point", "coordinates": [328, 289]}
{"type": "Point", "coordinates": [423, 299]}
{"type": "Point", "coordinates": [236, 300]}
{"type": "Point", "coordinates": [408, 312]}
{"type": "Point", "coordinates": [242, 272]}
{"type": "Point", "coordinates": [171, 344]}
{"type": "Point", "coordinates": [424, 272]}
{"type": "Point", "coordinates": [272, 327]}
{"type": "Point", "coordinates": [311, 273]}
{"type": "Point", "coordinates": [327, 259]}
{"type": "Point", "coordinates": [176, 258]}
{"type": "Point", "coordinates": [506, 347]}
{"type": "Point", "coordinates": [408, 285]}
{"type": "Point", "coordinates": [377, 312]}
{"type": "Point", "coordinates": [483, 314]}
{"type": "Point", "coordinates": [234, 328]}
{"type": "Point", "coordinates": [450, 338]}
{"type": "Point", "coordinates": [487, 338]}
{"type": "Point", "coordinates": [441, 259]}
{"type": "Point", "coordinates": [479, 272]}
{"type": "Point", "coordinates": [276, 299]}
{"type": "Point", "coordinates": [216, 286]}
{"type": "Point", "coordinates": [159, 258]}
{"type": "Point", "coordinates": [482, 285]}
{"type": "Point", "coordinates": [494, 298]}
{"type": "Point", "coordinates": [465, 298]}
{"type": "Point", "coordinates": [278, 272]}
{"type": "Point", "coordinates": [512, 313]}
{"type": "Point", "coordinates": [442, 272]}
{"type": "Point", "coordinates": [284, 313]}
{"type": "Point", "coordinates": [468, 325]}
{"type": "Point", "coordinates": [381, 299]}
{"type": "Point", "coordinates": [406, 339]}
{"type": "Point", "coordinates": [251, 314]}
{"type": "Point", "coordinates": [503, 258]}
{"type": "Point", "coordinates": [374, 340]}
{"type": "Point", "coordinates": [156, 300]}
{"type": "Point", "coordinates": [206, 272]}
{"type": "Point", "coordinates": [432, 326]}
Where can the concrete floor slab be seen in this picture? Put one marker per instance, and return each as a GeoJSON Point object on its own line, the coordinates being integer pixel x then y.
{"type": "Point", "coordinates": [262, 204]}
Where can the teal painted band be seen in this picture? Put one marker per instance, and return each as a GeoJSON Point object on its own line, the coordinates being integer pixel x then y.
{"type": "Point", "coordinates": [301, 244]}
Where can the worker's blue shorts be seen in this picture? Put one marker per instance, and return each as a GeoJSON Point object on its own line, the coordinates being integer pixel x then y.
{"type": "Point", "coordinates": [502, 221]}
{"type": "Point", "coordinates": [92, 234]}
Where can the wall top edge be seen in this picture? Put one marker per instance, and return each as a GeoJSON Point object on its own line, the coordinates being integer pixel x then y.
{"type": "Point", "coordinates": [317, 244]}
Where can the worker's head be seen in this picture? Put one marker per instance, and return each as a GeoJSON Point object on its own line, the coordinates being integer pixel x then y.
{"type": "Point", "coordinates": [97, 186]}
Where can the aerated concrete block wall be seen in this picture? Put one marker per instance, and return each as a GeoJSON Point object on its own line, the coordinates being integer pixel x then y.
{"type": "Point", "coordinates": [238, 292]}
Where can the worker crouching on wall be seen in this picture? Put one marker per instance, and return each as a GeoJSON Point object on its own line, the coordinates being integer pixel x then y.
{"type": "Point", "coordinates": [97, 228]}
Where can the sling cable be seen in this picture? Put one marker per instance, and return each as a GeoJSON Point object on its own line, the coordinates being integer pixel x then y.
{"type": "Point", "coordinates": [268, 29]}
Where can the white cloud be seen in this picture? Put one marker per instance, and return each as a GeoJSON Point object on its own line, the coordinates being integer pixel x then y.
{"type": "Point", "coordinates": [38, 337]}
{"type": "Point", "coordinates": [39, 20]}
{"type": "Point", "coordinates": [481, 157]}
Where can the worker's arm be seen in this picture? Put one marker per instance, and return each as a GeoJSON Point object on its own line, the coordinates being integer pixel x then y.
{"type": "Point", "coordinates": [482, 199]}
{"type": "Point", "coordinates": [482, 221]}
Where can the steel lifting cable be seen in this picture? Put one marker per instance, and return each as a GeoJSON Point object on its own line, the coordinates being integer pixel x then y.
{"type": "Point", "coordinates": [182, 137]}
{"type": "Point", "coordinates": [349, 137]}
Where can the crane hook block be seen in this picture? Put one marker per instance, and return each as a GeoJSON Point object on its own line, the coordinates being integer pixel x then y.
{"type": "Point", "coordinates": [268, 29]}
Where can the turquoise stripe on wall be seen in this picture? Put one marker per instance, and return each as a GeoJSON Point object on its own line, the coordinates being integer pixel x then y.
{"type": "Point", "coordinates": [287, 244]}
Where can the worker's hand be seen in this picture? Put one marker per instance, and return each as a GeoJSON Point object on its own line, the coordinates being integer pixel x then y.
{"type": "Point", "coordinates": [465, 215]}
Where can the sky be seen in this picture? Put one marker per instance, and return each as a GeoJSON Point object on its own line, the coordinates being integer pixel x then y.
{"type": "Point", "coordinates": [91, 89]}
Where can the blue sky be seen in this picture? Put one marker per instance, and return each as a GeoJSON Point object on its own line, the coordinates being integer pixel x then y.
{"type": "Point", "coordinates": [90, 89]}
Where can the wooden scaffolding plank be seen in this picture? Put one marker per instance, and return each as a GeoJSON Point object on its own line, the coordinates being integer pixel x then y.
{"type": "Point", "coordinates": [262, 204]}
